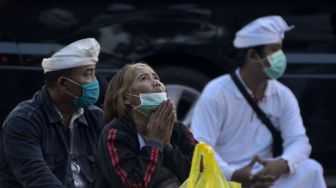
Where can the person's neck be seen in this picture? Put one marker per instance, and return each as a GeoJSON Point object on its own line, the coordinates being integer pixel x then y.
{"type": "Point", "coordinates": [256, 83]}
{"type": "Point", "coordinates": [63, 106]}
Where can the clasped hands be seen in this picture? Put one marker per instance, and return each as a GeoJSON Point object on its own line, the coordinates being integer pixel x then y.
{"type": "Point", "coordinates": [272, 170]}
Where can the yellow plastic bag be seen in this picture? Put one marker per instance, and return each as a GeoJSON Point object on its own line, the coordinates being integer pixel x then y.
{"type": "Point", "coordinates": [211, 175]}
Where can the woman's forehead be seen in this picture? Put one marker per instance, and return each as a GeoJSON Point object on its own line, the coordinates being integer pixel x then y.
{"type": "Point", "coordinates": [144, 70]}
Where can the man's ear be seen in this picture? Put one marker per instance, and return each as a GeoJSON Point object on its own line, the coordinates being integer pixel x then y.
{"type": "Point", "coordinates": [60, 82]}
{"type": "Point", "coordinates": [252, 54]}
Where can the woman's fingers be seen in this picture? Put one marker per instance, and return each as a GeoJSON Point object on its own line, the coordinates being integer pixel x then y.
{"type": "Point", "coordinates": [162, 120]}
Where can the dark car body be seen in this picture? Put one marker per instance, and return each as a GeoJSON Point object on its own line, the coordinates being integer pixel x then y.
{"type": "Point", "coordinates": [188, 42]}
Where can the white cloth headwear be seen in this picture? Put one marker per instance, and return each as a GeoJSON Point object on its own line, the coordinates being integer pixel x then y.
{"type": "Point", "coordinates": [80, 53]}
{"type": "Point", "coordinates": [262, 31]}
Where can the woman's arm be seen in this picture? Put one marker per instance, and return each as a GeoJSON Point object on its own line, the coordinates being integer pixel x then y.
{"type": "Point", "coordinates": [121, 164]}
{"type": "Point", "coordinates": [178, 154]}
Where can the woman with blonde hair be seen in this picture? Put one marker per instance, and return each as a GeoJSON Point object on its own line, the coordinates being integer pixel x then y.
{"type": "Point", "coordinates": [142, 144]}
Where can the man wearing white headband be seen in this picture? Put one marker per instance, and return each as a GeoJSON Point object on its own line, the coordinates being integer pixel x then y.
{"type": "Point", "coordinates": [225, 119]}
{"type": "Point", "coordinates": [49, 140]}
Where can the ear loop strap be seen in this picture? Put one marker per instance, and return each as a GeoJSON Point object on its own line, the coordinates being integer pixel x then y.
{"type": "Point", "coordinates": [72, 95]}
{"type": "Point", "coordinates": [133, 95]}
{"type": "Point", "coordinates": [67, 92]}
{"type": "Point", "coordinates": [134, 107]}
{"type": "Point", "coordinates": [71, 81]}
{"type": "Point", "coordinates": [262, 60]}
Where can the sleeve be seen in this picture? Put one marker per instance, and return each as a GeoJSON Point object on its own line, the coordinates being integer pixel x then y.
{"type": "Point", "coordinates": [178, 155]}
{"type": "Point", "coordinates": [132, 168]}
{"type": "Point", "coordinates": [296, 143]}
{"type": "Point", "coordinates": [206, 126]}
{"type": "Point", "coordinates": [23, 153]}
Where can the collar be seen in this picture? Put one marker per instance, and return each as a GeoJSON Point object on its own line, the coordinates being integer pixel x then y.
{"type": "Point", "coordinates": [79, 116]}
{"type": "Point", "coordinates": [269, 91]}
{"type": "Point", "coordinates": [81, 120]}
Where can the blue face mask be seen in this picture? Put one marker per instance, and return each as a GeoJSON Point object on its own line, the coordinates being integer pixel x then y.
{"type": "Point", "coordinates": [89, 96]}
{"type": "Point", "coordinates": [278, 64]}
{"type": "Point", "coordinates": [150, 102]}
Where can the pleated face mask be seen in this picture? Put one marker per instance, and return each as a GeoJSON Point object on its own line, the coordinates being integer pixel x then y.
{"type": "Point", "coordinates": [90, 94]}
{"type": "Point", "coordinates": [278, 64]}
{"type": "Point", "coordinates": [149, 102]}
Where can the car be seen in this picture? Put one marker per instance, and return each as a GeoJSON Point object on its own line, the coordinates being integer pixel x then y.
{"type": "Point", "coordinates": [188, 42]}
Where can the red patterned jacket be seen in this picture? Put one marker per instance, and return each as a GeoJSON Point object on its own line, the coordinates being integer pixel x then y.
{"type": "Point", "coordinates": [121, 162]}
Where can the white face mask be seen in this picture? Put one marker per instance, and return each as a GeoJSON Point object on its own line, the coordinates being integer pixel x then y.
{"type": "Point", "coordinates": [150, 102]}
{"type": "Point", "coordinates": [278, 64]}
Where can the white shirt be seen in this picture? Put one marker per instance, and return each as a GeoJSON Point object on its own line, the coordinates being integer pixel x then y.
{"type": "Point", "coordinates": [142, 142]}
{"type": "Point", "coordinates": [224, 120]}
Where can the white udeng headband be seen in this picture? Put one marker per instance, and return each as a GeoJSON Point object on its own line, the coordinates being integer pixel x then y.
{"type": "Point", "coordinates": [79, 53]}
{"type": "Point", "coordinates": [60, 63]}
{"type": "Point", "coordinates": [262, 31]}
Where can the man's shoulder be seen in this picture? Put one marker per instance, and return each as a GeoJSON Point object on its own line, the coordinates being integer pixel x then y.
{"type": "Point", "coordinates": [225, 78]}
{"type": "Point", "coordinates": [23, 118]}
{"type": "Point", "coordinates": [219, 86]}
{"type": "Point", "coordinates": [220, 82]}
{"type": "Point", "coordinates": [26, 110]}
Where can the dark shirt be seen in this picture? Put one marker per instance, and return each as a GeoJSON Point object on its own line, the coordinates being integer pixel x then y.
{"type": "Point", "coordinates": [122, 163]}
{"type": "Point", "coordinates": [35, 145]}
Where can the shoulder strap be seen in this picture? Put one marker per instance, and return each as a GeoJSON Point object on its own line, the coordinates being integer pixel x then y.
{"type": "Point", "coordinates": [261, 115]}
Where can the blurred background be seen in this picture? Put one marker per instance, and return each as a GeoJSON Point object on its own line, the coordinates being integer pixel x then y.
{"type": "Point", "coordinates": [188, 42]}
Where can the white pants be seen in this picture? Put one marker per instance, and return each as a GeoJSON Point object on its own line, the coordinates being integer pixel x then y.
{"type": "Point", "coordinates": [309, 174]}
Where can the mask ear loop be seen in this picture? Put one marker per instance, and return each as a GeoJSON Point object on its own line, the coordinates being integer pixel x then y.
{"type": "Point", "coordinates": [262, 61]}
{"type": "Point", "coordinates": [71, 81]}
{"type": "Point", "coordinates": [133, 95]}
{"type": "Point", "coordinates": [72, 95]}
{"type": "Point", "coordinates": [256, 54]}
{"type": "Point", "coordinates": [67, 92]}
{"type": "Point", "coordinates": [133, 107]}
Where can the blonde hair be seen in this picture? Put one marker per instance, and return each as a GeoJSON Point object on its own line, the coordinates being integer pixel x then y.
{"type": "Point", "coordinates": [119, 86]}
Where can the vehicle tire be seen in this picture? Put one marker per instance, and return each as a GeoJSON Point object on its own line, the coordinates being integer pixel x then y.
{"type": "Point", "coordinates": [184, 86]}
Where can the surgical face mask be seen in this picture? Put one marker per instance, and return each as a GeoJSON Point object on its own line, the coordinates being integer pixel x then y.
{"type": "Point", "coordinates": [89, 96]}
{"type": "Point", "coordinates": [149, 102]}
{"type": "Point", "coordinates": [278, 64]}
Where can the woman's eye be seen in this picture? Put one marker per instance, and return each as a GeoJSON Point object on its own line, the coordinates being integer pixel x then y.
{"type": "Point", "coordinates": [144, 78]}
